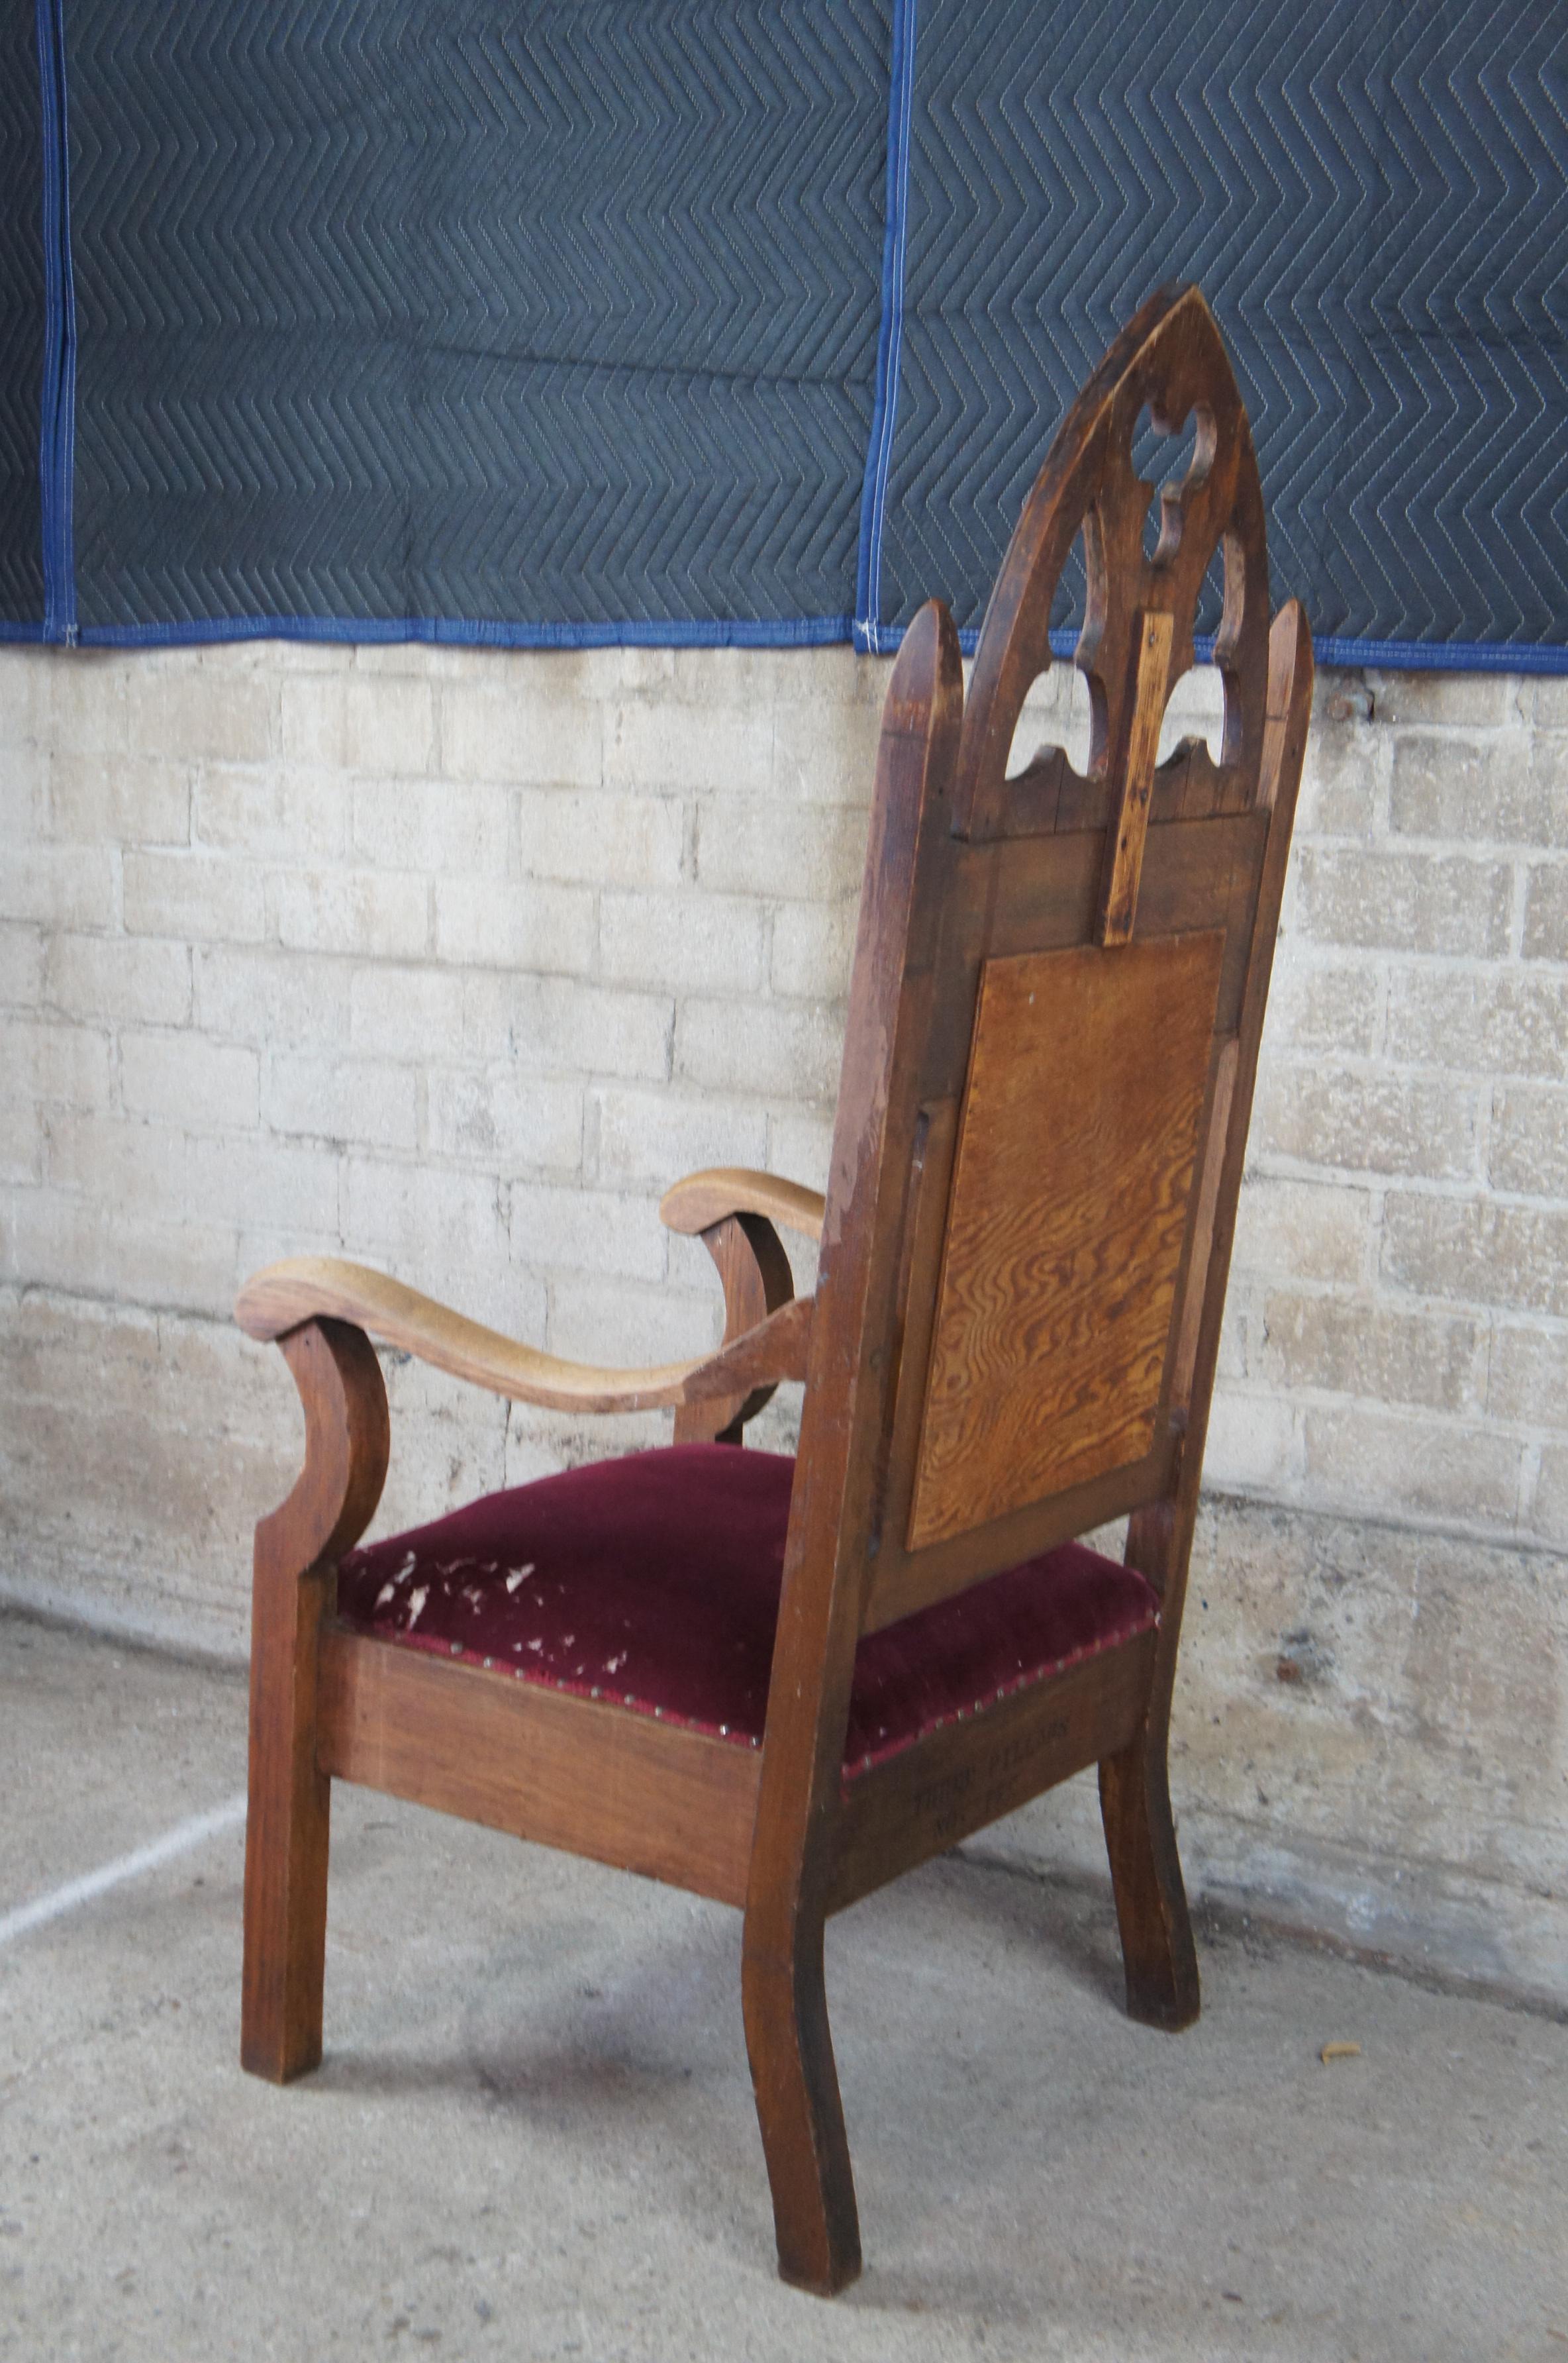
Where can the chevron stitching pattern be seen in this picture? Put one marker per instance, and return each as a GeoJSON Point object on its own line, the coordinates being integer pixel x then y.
{"type": "Point", "coordinates": [1373, 198]}
{"type": "Point", "coordinates": [564, 310]}
{"type": "Point", "coordinates": [562, 319]}
{"type": "Point", "coordinates": [21, 317]}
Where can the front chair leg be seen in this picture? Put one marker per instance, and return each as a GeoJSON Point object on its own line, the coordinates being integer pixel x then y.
{"type": "Point", "coordinates": [797, 2104]}
{"type": "Point", "coordinates": [1146, 1874]}
{"type": "Point", "coordinates": [297, 1550]}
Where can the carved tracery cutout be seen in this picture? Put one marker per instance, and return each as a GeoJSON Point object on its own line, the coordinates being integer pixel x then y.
{"type": "Point", "coordinates": [1165, 460]}
{"type": "Point", "coordinates": [1194, 719]}
{"type": "Point", "coordinates": [1142, 608]}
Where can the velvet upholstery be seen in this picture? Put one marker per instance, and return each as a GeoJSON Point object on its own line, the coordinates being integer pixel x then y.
{"type": "Point", "coordinates": [652, 1582]}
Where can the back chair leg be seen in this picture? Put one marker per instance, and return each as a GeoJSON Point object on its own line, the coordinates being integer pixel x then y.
{"type": "Point", "coordinates": [1146, 1874]}
{"type": "Point", "coordinates": [798, 2108]}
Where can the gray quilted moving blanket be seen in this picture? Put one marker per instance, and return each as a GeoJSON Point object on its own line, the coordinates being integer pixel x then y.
{"type": "Point", "coordinates": [560, 321]}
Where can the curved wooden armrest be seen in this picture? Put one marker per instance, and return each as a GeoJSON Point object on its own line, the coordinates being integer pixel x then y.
{"type": "Point", "coordinates": [703, 1199]}
{"type": "Point", "coordinates": [307, 1287]}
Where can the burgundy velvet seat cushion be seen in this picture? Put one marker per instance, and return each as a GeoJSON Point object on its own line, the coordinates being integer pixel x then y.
{"type": "Point", "coordinates": [652, 1582]}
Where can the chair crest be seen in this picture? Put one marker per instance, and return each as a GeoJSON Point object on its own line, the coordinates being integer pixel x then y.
{"type": "Point", "coordinates": [1137, 637]}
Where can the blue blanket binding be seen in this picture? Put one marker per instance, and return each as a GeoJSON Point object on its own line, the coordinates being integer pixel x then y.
{"type": "Point", "coordinates": [701, 321]}
{"type": "Point", "coordinates": [23, 311]}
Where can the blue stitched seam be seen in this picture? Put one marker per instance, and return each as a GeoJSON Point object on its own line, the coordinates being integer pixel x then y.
{"type": "Point", "coordinates": [1331, 649]}
{"type": "Point", "coordinates": [805, 631]}
{"type": "Point", "coordinates": [890, 337]}
{"type": "Point", "coordinates": [1440, 656]}
{"type": "Point", "coordinates": [57, 475]}
{"type": "Point", "coordinates": [57, 429]}
{"type": "Point", "coordinates": [809, 631]}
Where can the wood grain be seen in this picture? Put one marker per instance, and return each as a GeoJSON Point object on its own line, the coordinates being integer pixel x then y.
{"type": "Point", "coordinates": [959, 1779]}
{"type": "Point", "coordinates": [876, 1142]}
{"type": "Point", "coordinates": [1197, 874]}
{"type": "Point", "coordinates": [1186, 1362]}
{"type": "Point", "coordinates": [1170, 360]}
{"type": "Point", "coordinates": [1070, 1206]}
{"type": "Point", "coordinates": [902, 1582]}
{"type": "Point", "coordinates": [1134, 1788]}
{"type": "Point", "coordinates": [304, 1287]}
{"type": "Point", "coordinates": [1133, 781]}
{"type": "Point", "coordinates": [541, 1764]}
{"type": "Point", "coordinates": [754, 1273]}
{"type": "Point", "coordinates": [288, 1820]}
{"type": "Point", "coordinates": [691, 1204]}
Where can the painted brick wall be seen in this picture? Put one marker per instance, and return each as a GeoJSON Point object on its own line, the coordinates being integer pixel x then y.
{"type": "Point", "coordinates": [452, 961]}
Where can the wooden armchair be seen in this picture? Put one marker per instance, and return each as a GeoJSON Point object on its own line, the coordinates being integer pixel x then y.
{"type": "Point", "coordinates": [780, 1682]}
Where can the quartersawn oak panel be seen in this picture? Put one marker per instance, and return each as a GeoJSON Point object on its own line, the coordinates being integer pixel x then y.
{"type": "Point", "coordinates": [1070, 1200]}
{"type": "Point", "coordinates": [594, 1779]}
{"type": "Point", "coordinates": [902, 1582]}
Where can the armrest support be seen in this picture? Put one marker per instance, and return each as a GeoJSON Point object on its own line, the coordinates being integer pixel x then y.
{"type": "Point", "coordinates": [307, 1287]}
{"type": "Point", "coordinates": [754, 1274]}
{"type": "Point", "coordinates": [732, 1211]}
{"type": "Point", "coordinates": [703, 1199]}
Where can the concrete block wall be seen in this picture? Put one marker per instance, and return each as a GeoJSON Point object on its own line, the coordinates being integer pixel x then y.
{"type": "Point", "coordinates": [452, 961]}
{"type": "Point", "coordinates": [1396, 1341]}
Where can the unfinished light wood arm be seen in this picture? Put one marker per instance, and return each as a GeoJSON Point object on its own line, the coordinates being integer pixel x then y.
{"type": "Point", "coordinates": [312, 1288]}
{"type": "Point", "coordinates": [699, 1201]}
{"type": "Point", "coordinates": [732, 1211]}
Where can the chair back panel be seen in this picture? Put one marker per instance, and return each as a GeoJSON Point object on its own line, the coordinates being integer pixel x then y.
{"type": "Point", "coordinates": [1054, 1013]}
{"type": "Point", "coordinates": [1057, 1243]}
{"type": "Point", "coordinates": [1067, 1216]}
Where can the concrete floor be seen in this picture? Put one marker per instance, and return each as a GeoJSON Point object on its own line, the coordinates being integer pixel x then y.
{"type": "Point", "coordinates": [533, 2133]}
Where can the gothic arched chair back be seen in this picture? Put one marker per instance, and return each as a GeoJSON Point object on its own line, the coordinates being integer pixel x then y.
{"type": "Point", "coordinates": [782, 1682]}
{"type": "Point", "coordinates": [1057, 999]}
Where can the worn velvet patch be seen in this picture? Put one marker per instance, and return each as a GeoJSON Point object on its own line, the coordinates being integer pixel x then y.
{"type": "Point", "coordinates": [652, 1582]}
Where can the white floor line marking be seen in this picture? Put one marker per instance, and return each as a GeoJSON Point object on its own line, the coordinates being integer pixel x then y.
{"type": "Point", "coordinates": [178, 1840]}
